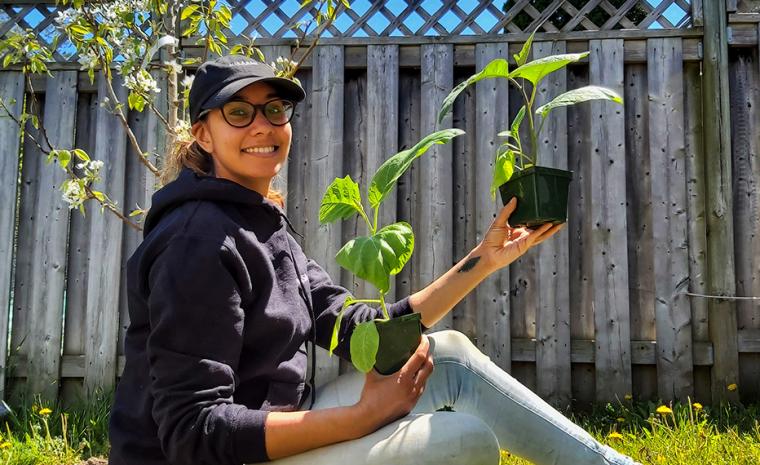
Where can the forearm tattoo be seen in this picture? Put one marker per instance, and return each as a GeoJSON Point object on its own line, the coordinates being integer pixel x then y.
{"type": "Point", "coordinates": [468, 265]}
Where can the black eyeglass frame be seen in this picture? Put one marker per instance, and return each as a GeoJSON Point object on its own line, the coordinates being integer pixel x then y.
{"type": "Point", "coordinates": [256, 108]}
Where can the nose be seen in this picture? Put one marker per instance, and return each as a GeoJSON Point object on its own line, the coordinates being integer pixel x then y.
{"type": "Point", "coordinates": [260, 124]}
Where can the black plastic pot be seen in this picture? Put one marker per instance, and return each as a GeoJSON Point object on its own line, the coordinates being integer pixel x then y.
{"type": "Point", "coordinates": [541, 196]}
{"type": "Point", "coordinates": [399, 338]}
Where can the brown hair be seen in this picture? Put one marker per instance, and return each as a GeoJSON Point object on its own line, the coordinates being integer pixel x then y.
{"type": "Point", "coordinates": [188, 154]}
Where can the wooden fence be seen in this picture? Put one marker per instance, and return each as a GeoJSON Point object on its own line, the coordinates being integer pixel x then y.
{"type": "Point", "coordinates": [601, 311]}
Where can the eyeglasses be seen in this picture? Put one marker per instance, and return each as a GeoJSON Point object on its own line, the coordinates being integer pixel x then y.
{"type": "Point", "coordinates": [239, 113]}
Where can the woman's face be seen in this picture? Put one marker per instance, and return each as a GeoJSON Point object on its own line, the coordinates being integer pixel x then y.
{"type": "Point", "coordinates": [250, 156]}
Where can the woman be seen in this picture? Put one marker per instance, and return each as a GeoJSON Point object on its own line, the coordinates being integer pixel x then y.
{"type": "Point", "coordinates": [222, 301]}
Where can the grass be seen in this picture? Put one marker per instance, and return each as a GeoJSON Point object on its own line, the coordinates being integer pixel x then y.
{"type": "Point", "coordinates": [35, 433]}
{"type": "Point", "coordinates": [683, 434]}
{"type": "Point", "coordinates": [653, 434]}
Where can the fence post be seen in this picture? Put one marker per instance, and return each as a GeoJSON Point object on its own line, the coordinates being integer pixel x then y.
{"type": "Point", "coordinates": [720, 233]}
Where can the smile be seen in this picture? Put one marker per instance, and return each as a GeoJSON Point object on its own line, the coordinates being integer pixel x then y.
{"type": "Point", "coordinates": [263, 150]}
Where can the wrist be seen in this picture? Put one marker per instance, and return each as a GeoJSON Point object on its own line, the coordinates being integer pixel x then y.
{"type": "Point", "coordinates": [483, 266]}
{"type": "Point", "coordinates": [361, 420]}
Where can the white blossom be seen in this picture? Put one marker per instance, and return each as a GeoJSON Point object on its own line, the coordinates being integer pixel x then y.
{"type": "Point", "coordinates": [187, 81]}
{"type": "Point", "coordinates": [141, 82]}
{"type": "Point", "coordinates": [176, 67]}
{"type": "Point", "coordinates": [66, 17]}
{"type": "Point", "coordinates": [74, 195]}
{"type": "Point", "coordinates": [88, 60]}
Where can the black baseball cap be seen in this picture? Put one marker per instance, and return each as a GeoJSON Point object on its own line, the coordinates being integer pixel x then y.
{"type": "Point", "coordinates": [216, 81]}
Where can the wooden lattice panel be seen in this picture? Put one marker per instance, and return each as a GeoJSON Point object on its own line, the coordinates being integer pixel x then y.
{"type": "Point", "coordinates": [373, 18]}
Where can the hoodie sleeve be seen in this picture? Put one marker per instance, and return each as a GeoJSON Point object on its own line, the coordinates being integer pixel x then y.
{"type": "Point", "coordinates": [194, 347]}
{"type": "Point", "coordinates": [328, 299]}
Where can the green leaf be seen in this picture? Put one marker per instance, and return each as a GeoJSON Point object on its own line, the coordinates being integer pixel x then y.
{"type": "Point", "coordinates": [582, 94]}
{"type": "Point", "coordinates": [497, 68]}
{"type": "Point", "coordinates": [393, 168]}
{"type": "Point", "coordinates": [515, 129]}
{"type": "Point", "coordinates": [522, 57]}
{"type": "Point", "coordinates": [502, 170]}
{"type": "Point", "coordinates": [136, 212]}
{"type": "Point", "coordinates": [64, 158]}
{"type": "Point", "coordinates": [79, 31]}
{"type": "Point", "coordinates": [341, 200]}
{"type": "Point", "coordinates": [336, 327]}
{"type": "Point", "coordinates": [226, 14]}
{"type": "Point", "coordinates": [99, 195]}
{"type": "Point", "coordinates": [52, 155]}
{"type": "Point", "coordinates": [365, 341]}
{"type": "Point", "coordinates": [536, 70]}
{"type": "Point", "coordinates": [81, 154]}
{"type": "Point", "coordinates": [377, 257]}
{"type": "Point", "coordinates": [188, 11]}
{"type": "Point", "coordinates": [136, 101]}
{"type": "Point", "coordinates": [7, 60]}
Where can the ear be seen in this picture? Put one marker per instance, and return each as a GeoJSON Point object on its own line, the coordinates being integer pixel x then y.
{"type": "Point", "coordinates": [202, 135]}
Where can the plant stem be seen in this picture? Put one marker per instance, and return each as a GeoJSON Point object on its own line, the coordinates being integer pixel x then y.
{"type": "Point", "coordinates": [130, 135]}
{"type": "Point", "coordinates": [533, 135]}
{"type": "Point", "coordinates": [385, 309]}
{"type": "Point", "coordinates": [374, 228]}
{"type": "Point", "coordinates": [318, 33]}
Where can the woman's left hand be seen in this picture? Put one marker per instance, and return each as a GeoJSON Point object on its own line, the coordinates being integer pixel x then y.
{"type": "Point", "coordinates": [504, 244]}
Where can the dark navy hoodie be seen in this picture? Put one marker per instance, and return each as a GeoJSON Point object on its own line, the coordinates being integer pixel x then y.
{"type": "Point", "coordinates": [219, 318]}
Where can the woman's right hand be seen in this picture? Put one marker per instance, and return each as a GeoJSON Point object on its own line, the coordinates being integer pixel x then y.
{"type": "Point", "coordinates": [388, 398]}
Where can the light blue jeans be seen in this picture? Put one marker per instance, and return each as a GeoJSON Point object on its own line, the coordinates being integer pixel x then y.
{"type": "Point", "coordinates": [492, 411]}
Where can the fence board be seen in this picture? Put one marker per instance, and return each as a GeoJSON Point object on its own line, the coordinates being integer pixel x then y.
{"type": "Point", "coordinates": [104, 271]}
{"type": "Point", "coordinates": [745, 121]}
{"type": "Point", "coordinates": [610, 269]}
{"type": "Point", "coordinates": [24, 271]}
{"type": "Point", "coordinates": [79, 256]}
{"type": "Point", "coordinates": [579, 230]}
{"type": "Point", "coordinates": [325, 163]}
{"type": "Point", "coordinates": [409, 133]}
{"type": "Point", "coordinates": [298, 159]}
{"type": "Point", "coordinates": [553, 310]}
{"type": "Point", "coordinates": [465, 314]}
{"type": "Point", "coordinates": [639, 218]}
{"type": "Point", "coordinates": [139, 187]}
{"type": "Point", "coordinates": [11, 88]}
{"type": "Point", "coordinates": [523, 276]}
{"type": "Point", "coordinates": [669, 229]}
{"type": "Point", "coordinates": [720, 252]}
{"type": "Point", "coordinates": [491, 117]}
{"type": "Point", "coordinates": [48, 251]}
{"type": "Point", "coordinates": [355, 165]}
{"type": "Point", "coordinates": [382, 138]}
{"type": "Point", "coordinates": [433, 245]}
{"type": "Point", "coordinates": [695, 175]}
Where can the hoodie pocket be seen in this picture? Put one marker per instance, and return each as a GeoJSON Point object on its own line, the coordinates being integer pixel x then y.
{"type": "Point", "coordinates": [283, 397]}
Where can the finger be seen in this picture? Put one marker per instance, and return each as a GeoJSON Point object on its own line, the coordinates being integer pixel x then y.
{"type": "Point", "coordinates": [424, 373]}
{"type": "Point", "coordinates": [549, 233]}
{"type": "Point", "coordinates": [415, 362]}
{"type": "Point", "coordinates": [505, 212]}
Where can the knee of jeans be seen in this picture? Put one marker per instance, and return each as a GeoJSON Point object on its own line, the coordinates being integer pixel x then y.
{"type": "Point", "coordinates": [453, 344]}
{"type": "Point", "coordinates": [462, 438]}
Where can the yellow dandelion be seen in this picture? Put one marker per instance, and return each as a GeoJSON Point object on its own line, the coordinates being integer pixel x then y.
{"type": "Point", "coordinates": [628, 397]}
{"type": "Point", "coordinates": [731, 387]}
{"type": "Point", "coordinates": [697, 406]}
{"type": "Point", "coordinates": [45, 411]}
{"type": "Point", "coordinates": [5, 445]}
{"type": "Point", "coordinates": [614, 435]}
{"type": "Point", "coordinates": [664, 410]}
{"type": "Point", "coordinates": [660, 459]}
{"type": "Point", "coordinates": [621, 420]}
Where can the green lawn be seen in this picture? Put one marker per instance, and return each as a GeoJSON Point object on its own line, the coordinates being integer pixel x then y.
{"type": "Point", "coordinates": [681, 435]}
{"type": "Point", "coordinates": [651, 433]}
